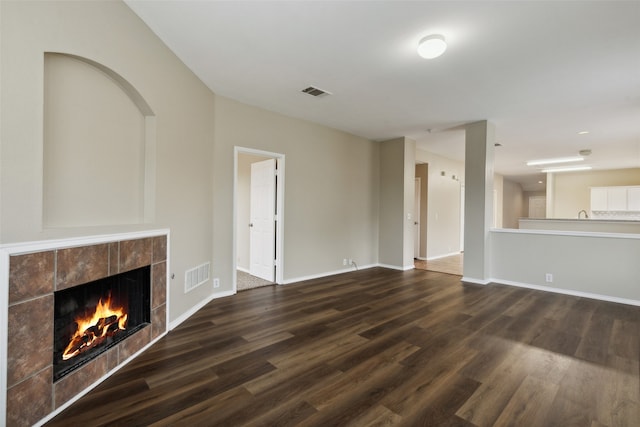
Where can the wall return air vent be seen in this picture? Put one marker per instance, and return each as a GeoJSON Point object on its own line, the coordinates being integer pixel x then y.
{"type": "Point", "coordinates": [196, 276]}
{"type": "Point", "coordinates": [314, 91]}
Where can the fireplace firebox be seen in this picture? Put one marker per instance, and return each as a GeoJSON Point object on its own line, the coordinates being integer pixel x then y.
{"type": "Point", "coordinates": [93, 317]}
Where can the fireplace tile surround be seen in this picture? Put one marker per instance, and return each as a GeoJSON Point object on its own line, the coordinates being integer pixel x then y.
{"type": "Point", "coordinates": [31, 394]}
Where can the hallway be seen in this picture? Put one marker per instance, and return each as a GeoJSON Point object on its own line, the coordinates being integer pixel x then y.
{"type": "Point", "coordinates": [451, 264]}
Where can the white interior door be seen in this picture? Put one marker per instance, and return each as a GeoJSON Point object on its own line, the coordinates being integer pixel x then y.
{"type": "Point", "coordinates": [416, 220]}
{"type": "Point", "coordinates": [262, 236]}
{"type": "Point", "coordinates": [537, 206]}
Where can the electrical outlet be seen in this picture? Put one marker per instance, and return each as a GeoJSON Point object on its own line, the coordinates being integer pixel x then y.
{"type": "Point", "coordinates": [216, 282]}
{"type": "Point", "coordinates": [548, 278]}
{"type": "Point", "coordinates": [344, 261]}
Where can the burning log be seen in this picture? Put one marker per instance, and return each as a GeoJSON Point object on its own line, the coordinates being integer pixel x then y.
{"type": "Point", "coordinates": [105, 322]}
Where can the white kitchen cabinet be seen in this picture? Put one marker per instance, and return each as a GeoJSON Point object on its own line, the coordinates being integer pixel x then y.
{"type": "Point", "coordinates": [615, 199]}
{"type": "Point", "coordinates": [598, 198]}
{"type": "Point", "coordinates": [633, 199]}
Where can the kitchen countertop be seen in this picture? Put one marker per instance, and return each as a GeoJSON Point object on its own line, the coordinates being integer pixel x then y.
{"type": "Point", "coordinates": [574, 224]}
{"type": "Point", "coordinates": [581, 219]}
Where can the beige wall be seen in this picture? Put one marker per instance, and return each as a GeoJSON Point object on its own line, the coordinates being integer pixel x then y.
{"type": "Point", "coordinates": [524, 257]}
{"type": "Point", "coordinates": [571, 191]}
{"type": "Point", "coordinates": [391, 202]}
{"type": "Point", "coordinates": [397, 184]}
{"type": "Point", "coordinates": [512, 203]}
{"type": "Point", "coordinates": [331, 190]}
{"type": "Point", "coordinates": [112, 35]}
{"type": "Point", "coordinates": [94, 142]}
{"type": "Point", "coordinates": [498, 196]}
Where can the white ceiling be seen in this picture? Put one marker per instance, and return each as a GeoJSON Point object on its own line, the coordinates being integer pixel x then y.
{"type": "Point", "coordinates": [541, 71]}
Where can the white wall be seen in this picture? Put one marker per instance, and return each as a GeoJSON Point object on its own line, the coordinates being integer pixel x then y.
{"type": "Point", "coordinates": [331, 190]}
{"type": "Point", "coordinates": [112, 35]}
{"type": "Point", "coordinates": [443, 218]}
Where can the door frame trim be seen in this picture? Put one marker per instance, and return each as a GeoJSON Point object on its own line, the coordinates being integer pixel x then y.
{"type": "Point", "coordinates": [417, 218]}
{"type": "Point", "coordinates": [280, 189]}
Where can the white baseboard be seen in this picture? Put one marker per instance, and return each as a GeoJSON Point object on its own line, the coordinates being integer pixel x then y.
{"type": "Point", "coordinates": [475, 281]}
{"type": "Point", "coordinates": [443, 256]}
{"type": "Point", "coordinates": [569, 292]}
{"type": "Point", "coordinates": [397, 267]}
{"type": "Point", "coordinates": [327, 274]}
{"type": "Point", "coordinates": [184, 316]}
{"type": "Point", "coordinates": [244, 270]}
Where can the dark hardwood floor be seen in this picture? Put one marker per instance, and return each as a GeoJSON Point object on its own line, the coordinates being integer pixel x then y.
{"type": "Point", "coordinates": [382, 347]}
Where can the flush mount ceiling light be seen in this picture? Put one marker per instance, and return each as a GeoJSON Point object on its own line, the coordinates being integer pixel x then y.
{"type": "Point", "coordinates": [567, 169]}
{"type": "Point", "coordinates": [432, 46]}
{"type": "Point", "coordinates": [555, 160]}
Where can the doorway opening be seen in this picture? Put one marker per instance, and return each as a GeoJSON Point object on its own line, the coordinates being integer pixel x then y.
{"type": "Point", "coordinates": [439, 201]}
{"type": "Point", "coordinates": [258, 218]}
{"type": "Point", "coordinates": [421, 210]}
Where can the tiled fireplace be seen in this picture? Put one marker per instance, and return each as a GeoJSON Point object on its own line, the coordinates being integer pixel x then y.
{"type": "Point", "coordinates": [35, 277]}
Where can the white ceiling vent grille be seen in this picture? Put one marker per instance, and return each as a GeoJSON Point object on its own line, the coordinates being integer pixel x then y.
{"type": "Point", "coordinates": [314, 91]}
{"type": "Point", "coordinates": [196, 276]}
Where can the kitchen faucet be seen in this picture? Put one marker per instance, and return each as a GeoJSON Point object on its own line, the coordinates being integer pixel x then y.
{"type": "Point", "coordinates": [585, 214]}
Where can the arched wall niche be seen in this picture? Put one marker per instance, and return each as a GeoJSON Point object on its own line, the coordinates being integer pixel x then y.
{"type": "Point", "coordinates": [99, 146]}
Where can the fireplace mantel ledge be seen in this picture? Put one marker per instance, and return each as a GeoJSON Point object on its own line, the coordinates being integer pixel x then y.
{"type": "Point", "coordinates": [69, 242]}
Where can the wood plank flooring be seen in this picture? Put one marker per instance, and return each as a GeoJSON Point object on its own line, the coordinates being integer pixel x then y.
{"type": "Point", "coordinates": [381, 347]}
{"type": "Point", "coordinates": [450, 264]}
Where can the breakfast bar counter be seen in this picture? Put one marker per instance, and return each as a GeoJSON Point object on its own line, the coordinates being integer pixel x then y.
{"type": "Point", "coordinates": [569, 224]}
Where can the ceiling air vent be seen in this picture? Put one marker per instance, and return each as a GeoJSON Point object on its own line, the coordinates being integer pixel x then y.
{"type": "Point", "coordinates": [314, 91]}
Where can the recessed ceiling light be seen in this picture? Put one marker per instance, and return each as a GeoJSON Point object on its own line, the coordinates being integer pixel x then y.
{"type": "Point", "coordinates": [567, 169]}
{"type": "Point", "coordinates": [555, 160]}
{"type": "Point", "coordinates": [432, 46]}
{"type": "Point", "coordinates": [583, 132]}
{"type": "Point", "coordinates": [539, 182]}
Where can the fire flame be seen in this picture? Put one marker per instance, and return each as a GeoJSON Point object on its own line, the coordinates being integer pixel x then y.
{"type": "Point", "coordinates": [93, 330]}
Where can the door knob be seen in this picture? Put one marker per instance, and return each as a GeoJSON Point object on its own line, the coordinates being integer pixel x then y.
{"type": "Point", "coordinates": [250, 224]}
